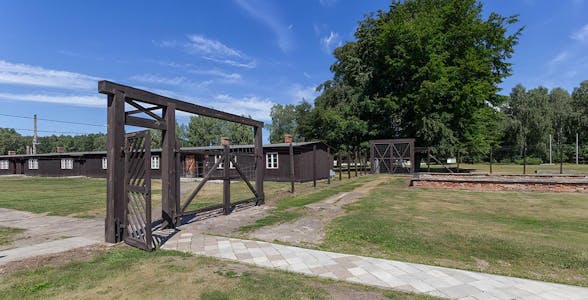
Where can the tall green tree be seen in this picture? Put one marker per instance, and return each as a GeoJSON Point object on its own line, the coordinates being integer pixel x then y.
{"type": "Point", "coordinates": [10, 140]}
{"type": "Point", "coordinates": [206, 131]}
{"type": "Point", "coordinates": [423, 69]}
{"type": "Point", "coordinates": [296, 120]}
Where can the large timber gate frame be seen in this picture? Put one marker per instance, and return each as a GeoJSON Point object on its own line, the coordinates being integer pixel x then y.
{"type": "Point", "coordinates": [392, 156]}
{"type": "Point", "coordinates": [128, 212]}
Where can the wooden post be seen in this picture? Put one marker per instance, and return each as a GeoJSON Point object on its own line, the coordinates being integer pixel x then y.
{"type": "Point", "coordinates": [259, 168]}
{"type": "Point", "coordinates": [458, 159]}
{"type": "Point", "coordinates": [428, 159]}
{"type": "Point", "coordinates": [226, 179]}
{"type": "Point", "coordinates": [115, 195]}
{"type": "Point", "coordinates": [292, 168]}
{"type": "Point", "coordinates": [348, 165]}
{"type": "Point", "coordinates": [525, 159]}
{"type": "Point", "coordinates": [355, 162]}
{"type": "Point", "coordinates": [330, 161]}
{"type": "Point", "coordinates": [314, 165]}
{"type": "Point", "coordinates": [169, 212]}
{"type": "Point", "coordinates": [339, 166]}
{"type": "Point", "coordinates": [491, 158]}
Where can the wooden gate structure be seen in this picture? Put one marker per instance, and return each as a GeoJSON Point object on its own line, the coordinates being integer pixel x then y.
{"type": "Point", "coordinates": [137, 216]}
{"type": "Point", "coordinates": [149, 110]}
{"type": "Point", "coordinates": [392, 156]}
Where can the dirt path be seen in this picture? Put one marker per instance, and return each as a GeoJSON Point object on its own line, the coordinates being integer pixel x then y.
{"type": "Point", "coordinates": [309, 230]}
{"type": "Point", "coordinates": [47, 234]}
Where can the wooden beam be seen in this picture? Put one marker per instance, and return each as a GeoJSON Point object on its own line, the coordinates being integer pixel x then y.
{"type": "Point", "coordinates": [143, 109]}
{"type": "Point", "coordinates": [169, 173]}
{"type": "Point", "coordinates": [330, 161]}
{"type": "Point", "coordinates": [259, 160]}
{"type": "Point", "coordinates": [242, 176]}
{"type": "Point", "coordinates": [348, 165]}
{"type": "Point", "coordinates": [200, 185]}
{"type": "Point", "coordinates": [115, 196]}
{"type": "Point", "coordinates": [138, 111]}
{"type": "Point", "coordinates": [107, 87]}
{"type": "Point", "coordinates": [340, 166]}
{"type": "Point", "coordinates": [142, 122]}
{"type": "Point", "coordinates": [226, 180]}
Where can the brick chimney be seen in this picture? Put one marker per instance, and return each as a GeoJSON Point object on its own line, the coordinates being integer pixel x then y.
{"type": "Point", "coordinates": [11, 153]}
{"type": "Point", "coordinates": [60, 149]}
{"type": "Point", "coordinates": [287, 138]}
{"type": "Point", "coordinates": [225, 141]}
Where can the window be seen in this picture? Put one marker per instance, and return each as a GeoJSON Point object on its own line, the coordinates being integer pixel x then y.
{"type": "Point", "coordinates": [155, 162]}
{"type": "Point", "coordinates": [3, 165]}
{"type": "Point", "coordinates": [33, 164]}
{"type": "Point", "coordinates": [66, 163]}
{"type": "Point", "coordinates": [271, 160]}
{"type": "Point", "coordinates": [104, 163]}
{"type": "Point", "coordinates": [222, 164]}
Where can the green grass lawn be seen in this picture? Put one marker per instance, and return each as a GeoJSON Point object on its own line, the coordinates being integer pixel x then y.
{"type": "Point", "coordinates": [538, 235]}
{"type": "Point", "coordinates": [7, 234]}
{"type": "Point", "coordinates": [134, 274]}
{"type": "Point", "coordinates": [290, 208]}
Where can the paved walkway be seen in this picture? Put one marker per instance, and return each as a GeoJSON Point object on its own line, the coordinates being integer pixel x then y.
{"type": "Point", "coordinates": [47, 234]}
{"type": "Point", "coordinates": [431, 280]}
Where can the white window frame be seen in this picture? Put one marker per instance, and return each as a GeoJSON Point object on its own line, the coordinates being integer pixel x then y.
{"type": "Point", "coordinates": [104, 163]}
{"type": "Point", "coordinates": [271, 160]}
{"type": "Point", "coordinates": [67, 163]}
{"type": "Point", "coordinates": [33, 164]}
{"type": "Point", "coordinates": [222, 164]}
{"type": "Point", "coordinates": [4, 164]}
{"type": "Point", "coordinates": [155, 162]}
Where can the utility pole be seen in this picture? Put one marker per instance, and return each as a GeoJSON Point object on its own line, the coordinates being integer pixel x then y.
{"type": "Point", "coordinates": [35, 142]}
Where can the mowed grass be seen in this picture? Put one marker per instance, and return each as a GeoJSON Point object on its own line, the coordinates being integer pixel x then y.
{"type": "Point", "coordinates": [56, 196]}
{"type": "Point", "coordinates": [538, 235]}
{"type": "Point", "coordinates": [7, 234]}
{"type": "Point", "coordinates": [134, 274]}
{"type": "Point", "coordinates": [290, 208]}
{"type": "Point", "coordinates": [86, 197]}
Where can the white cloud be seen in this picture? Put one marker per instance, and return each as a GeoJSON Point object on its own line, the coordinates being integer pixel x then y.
{"type": "Point", "coordinates": [21, 74]}
{"type": "Point", "coordinates": [257, 108]}
{"type": "Point", "coordinates": [175, 81]}
{"type": "Point", "coordinates": [248, 65]}
{"type": "Point", "coordinates": [217, 73]}
{"type": "Point", "coordinates": [78, 100]}
{"type": "Point", "coordinates": [306, 75]}
{"type": "Point", "coordinates": [298, 92]}
{"type": "Point", "coordinates": [559, 58]}
{"type": "Point", "coordinates": [330, 42]}
{"type": "Point", "coordinates": [201, 45]}
{"type": "Point", "coordinates": [268, 16]}
{"type": "Point", "coordinates": [581, 35]}
{"type": "Point", "coordinates": [212, 50]}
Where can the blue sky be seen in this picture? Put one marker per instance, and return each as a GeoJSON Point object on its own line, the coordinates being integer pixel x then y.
{"type": "Point", "coordinates": [241, 56]}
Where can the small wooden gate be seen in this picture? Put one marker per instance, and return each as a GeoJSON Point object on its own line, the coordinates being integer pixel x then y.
{"type": "Point", "coordinates": [392, 156]}
{"type": "Point", "coordinates": [137, 222]}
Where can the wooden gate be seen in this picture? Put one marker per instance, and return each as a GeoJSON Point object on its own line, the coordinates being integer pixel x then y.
{"type": "Point", "coordinates": [392, 156]}
{"type": "Point", "coordinates": [137, 222]}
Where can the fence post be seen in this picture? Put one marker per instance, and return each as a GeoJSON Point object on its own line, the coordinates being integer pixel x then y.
{"type": "Point", "coordinates": [491, 159]}
{"type": "Point", "coordinates": [314, 165]}
{"type": "Point", "coordinates": [330, 164]}
{"type": "Point", "coordinates": [355, 162]}
{"type": "Point", "coordinates": [458, 159]}
{"type": "Point", "coordinates": [226, 180]}
{"type": "Point", "coordinates": [291, 168]}
{"type": "Point", "coordinates": [348, 165]}
{"type": "Point", "coordinates": [339, 166]}
{"type": "Point", "coordinates": [428, 159]}
{"type": "Point", "coordinates": [525, 159]}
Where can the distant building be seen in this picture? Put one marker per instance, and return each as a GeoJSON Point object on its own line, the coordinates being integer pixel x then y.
{"type": "Point", "coordinates": [195, 161]}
